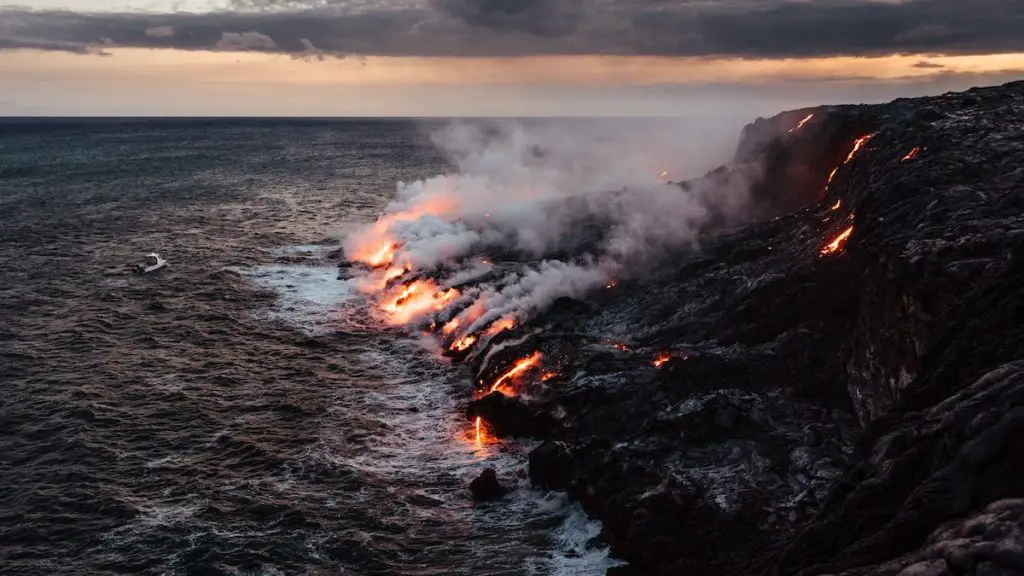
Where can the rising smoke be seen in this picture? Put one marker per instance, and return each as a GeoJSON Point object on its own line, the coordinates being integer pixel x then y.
{"type": "Point", "coordinates": [537, 211]}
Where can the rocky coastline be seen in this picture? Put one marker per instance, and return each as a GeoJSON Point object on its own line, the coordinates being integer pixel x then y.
{"type": "Point", "coordinates": [836, 387]}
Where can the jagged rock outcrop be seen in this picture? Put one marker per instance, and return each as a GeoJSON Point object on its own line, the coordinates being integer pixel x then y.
{"type": "Point", "coordinates": [854, 411]}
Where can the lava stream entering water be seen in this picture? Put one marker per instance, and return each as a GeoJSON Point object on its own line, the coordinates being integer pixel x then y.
{"type": "Point", "coordinates": [519, 367]}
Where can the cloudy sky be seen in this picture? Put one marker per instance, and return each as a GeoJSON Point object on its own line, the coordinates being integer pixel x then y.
{"type": "Point", "coordinates": [493, 57]}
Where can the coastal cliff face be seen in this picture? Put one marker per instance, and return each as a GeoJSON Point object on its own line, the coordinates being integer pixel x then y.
{"type": "Point", "coordinates": [836, 388]}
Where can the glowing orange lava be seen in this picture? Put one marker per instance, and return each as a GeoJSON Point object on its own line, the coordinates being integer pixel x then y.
{"type": "Point", "coordinates": [620, 346]}
{"type": "Point", "coordinates": [417, 299]}
{"type": "Point", "coordinates": [384, 256]}
{"type": "Point", "coordinates": [479, 437]}
{"type": "Point", "coordinates": [547, 376]}
{"type": "Point", "coordinates": [801, 124]}
{"type": "Point", "coordinates": [857, 146]}
{"type": "Point", "coordinates": [912, 154]}
{"type": "Point", "coordinates": [661, 359]}
{"type": "Point", "coordinates": [450, 327]}
{"type": "Point", "coordinates": [837, 244]}
{"type": "Point", "coordinates": [837, 204]}
{"type": "Point", "coordinates": [500, 326]}
{"type": "Point", "coordinates": [519, 367]}
{"type": "Point", "coordinates": [463, 344]}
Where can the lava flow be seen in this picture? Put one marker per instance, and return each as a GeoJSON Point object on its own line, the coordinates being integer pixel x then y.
{"type": "Point", "coordinates": [450, 327]}
{"type": "Point", "coordinates": [912, 154]}
{"type": "Point", "coordinates": [837, 244]}
{"type": "Point", "coordinates": [417, 299]}
{"type": "Point", "coordinates": [519, 367]}
{"type": "Point", "coordinates": [661, 359]}
{"type": "Point", "coordinates": [463, 344]}
{"type": "Point", "coordinates": [500, 326]}
{"type": "Point", "coordinates": [800, 125]}
{"type": "Point", "coordinates": [857, 145]}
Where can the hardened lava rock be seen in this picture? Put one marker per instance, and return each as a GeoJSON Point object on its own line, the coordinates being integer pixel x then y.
{"type": "Point", "coordinates": [834, 387]}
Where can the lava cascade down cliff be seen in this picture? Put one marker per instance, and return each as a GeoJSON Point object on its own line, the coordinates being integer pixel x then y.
{"type": "Point", "coordinates": [832, 385]}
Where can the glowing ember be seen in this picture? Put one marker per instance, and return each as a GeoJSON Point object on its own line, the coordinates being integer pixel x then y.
{"type": "Point", "coordinates": [450, 327]}
{"type": "Point", "coordinates": [912, 154]}
{"type": "Point", "coordinates": [547, 376]}
{"type": "Point", "coordinates": [837, 244]}
{"type": "Point", "coordinates": [500, 326]}
{"type": "Point", "coordinates": [837, 204]}
{"type": "Point", "coordinates": [620, 346]}
{"type": "Point", "coordinates": [857, 146]}
{"type": "Point", "coordinates": [479, 432]}
{"type": "Point", "coordinates": [519, 367]}
{"type": "Point", "coordinates": [463, 344]}
{"type": "Point", "coordinates": [661, 359]}
{"type": "Point", "coordinates": [801, 124]}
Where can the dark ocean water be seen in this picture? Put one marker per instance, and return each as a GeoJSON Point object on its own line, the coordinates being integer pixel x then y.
{"type": "Point", "coordinates": [238, 412]}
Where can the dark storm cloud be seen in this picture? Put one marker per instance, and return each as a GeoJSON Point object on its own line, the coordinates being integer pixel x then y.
{"type": "Point", "coordinates": [738, 28]}
{"type": "Point", "coordinates": [546, 18]}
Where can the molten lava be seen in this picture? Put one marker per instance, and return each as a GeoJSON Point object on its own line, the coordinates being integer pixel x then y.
{"type": "Point", "coordinates": [450, 327]}
{"type": "Point", "coordinates": [517, 369]}
{"type": "Point", "coordinates": [417, 299]}
{"type": "Point", "coordinates": [479, 436]}
{"type": "Point", "coordinates": [661, 359]}
{"type": "Point", "coordinates": [500, 326]}
{"type": "Point", "coordinates": [837, 205]}
{"type": "Point", "coordinates": [857, 146]}
{"type": "Point", "coordinates": [547, 376]}
{"type": "Point", "coordinates": [800, 125]}
{"type": "Point", "coordinates": [912, 154]}
{"type": "Point", "coordinates": [463, 344]}
{"type": "Point", "coordinates": [384, 256]}
{"type": "Point", "coordinates": [620, 346]}
{"type": "Point", "coordinates": [837, 244]}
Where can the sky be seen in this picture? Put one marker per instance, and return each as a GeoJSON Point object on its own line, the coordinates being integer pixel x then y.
{"type": "Point", "coordinates": [680, 58]}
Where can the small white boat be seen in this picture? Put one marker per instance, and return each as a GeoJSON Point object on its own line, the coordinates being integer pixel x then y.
{"type": "Point", "coordinates": [153, 263]}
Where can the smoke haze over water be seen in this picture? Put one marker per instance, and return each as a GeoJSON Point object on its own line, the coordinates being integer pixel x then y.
{"type": "Point", "coordinates": [584, 203]}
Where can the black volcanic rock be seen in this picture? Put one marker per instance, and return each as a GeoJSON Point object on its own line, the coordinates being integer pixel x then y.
{"type": "Point", "coordinates": [551, 466]}
{"type": "Point", "coordinates": [851, 413]}
{"type": "Point", "coordinates": [486, 488]}
{"type": "Point", "coordinates": [508, 416]}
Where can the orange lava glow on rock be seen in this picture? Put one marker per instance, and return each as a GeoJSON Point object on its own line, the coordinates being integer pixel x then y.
{"type": "Point", "coordinates": [912, 154]}
{"type": "Point", "coordinates": [620, 346]}
{"type": "Point", "coordinates": [517, 369]}
{"type": "Point", "coordinates": [837, 204]}
{"type": "Point", "coordinates": [417, 299]}
{"type": "Point", "coordinates": [450, 327]}
{"type": "Point", "coordinates": [500, 326]}
{"type": "Point", "coordinates": [661, 359]}
{"type": "Point", "coordinates": [463, 344]}
{"type": "Point", "coordinates": [547, 376]}
{"type": "Point", "coordinates": [837, 244]}
{"type": "Point", "coordinates": [800, 125]}
{"type": "Point", "coordinates": [376, 246]}
{"type": "Point", "coordinates": [857, 145]}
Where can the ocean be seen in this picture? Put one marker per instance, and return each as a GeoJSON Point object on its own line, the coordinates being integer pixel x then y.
{"type": "Point", "coordinates": [238, 412]}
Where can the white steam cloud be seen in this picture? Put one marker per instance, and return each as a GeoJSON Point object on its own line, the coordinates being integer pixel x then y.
{"type": "Point", "coordinates": [587, 202]}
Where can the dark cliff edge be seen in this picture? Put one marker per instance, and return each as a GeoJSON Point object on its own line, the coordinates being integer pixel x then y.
{"type": "Point", "coordinates": [773, 407]}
